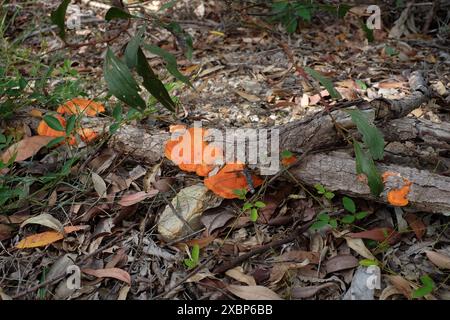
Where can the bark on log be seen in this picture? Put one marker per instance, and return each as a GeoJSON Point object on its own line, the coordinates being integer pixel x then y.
{"type": "Point", "coordinates": [336, 171]}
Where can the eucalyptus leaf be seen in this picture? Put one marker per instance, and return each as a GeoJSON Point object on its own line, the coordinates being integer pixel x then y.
{"type": "Point", "coordinates": [121, 82]}
{"type": "Point", "coordinates": [171, 62]}
{"type": "Point", "coordinates": [58, 16]}
{"type": "Point", "coordinates": [372, 137]}
{"type": "Point", "coordinates": [152, 83]}
{"type": "Point", "coordinates": [327, 83]}
{"type": "Point", "coordinates": [117, 13]}
{"type": "Point", "coordinates": [53, 123]}
{"type": "Point", "coordinates": [365, 164]}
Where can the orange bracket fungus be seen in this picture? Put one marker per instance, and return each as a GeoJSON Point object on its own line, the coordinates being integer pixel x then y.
{"type": "Point", "coordinates": [81, 105]}
{"type": "Point", "coordinates": [189, 150]}
{"type": "Point", "coordinates": [398, 188]}
{"type": "Point", "coordinates": [75, 106]}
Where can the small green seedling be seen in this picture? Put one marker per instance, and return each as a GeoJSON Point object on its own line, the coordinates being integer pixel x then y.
{"type": "Point", "coordinates": [321, 190]}
{"type": "Point", "coordinates": [194, 256]}
{"type": "Point", "coordinates": [350, 206]}
{"type": "Point", "coordinates": [427, 287]}
{"type": "Point", "coordinates": [368, 263]}
{"type": "Point", "coordinates": [253, 208]}
{"type": "Point", "coordinates": [323, 219]}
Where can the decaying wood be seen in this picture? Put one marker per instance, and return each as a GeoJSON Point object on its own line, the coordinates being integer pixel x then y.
{"type": "Point", "coordinates": [430, 192]}
{"type": "Point", "coordinates": [336, 171]}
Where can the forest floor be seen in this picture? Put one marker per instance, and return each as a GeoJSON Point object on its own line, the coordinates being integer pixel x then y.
{"type": "Point", "coordinates": [245, 75]}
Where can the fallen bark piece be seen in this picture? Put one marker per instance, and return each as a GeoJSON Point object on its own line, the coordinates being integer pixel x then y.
{"type": "Point", "coordinates": [182, 216]}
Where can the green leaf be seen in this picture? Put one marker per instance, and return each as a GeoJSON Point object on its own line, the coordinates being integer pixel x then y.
{"type": "Point", "coordinates": [304, 12]}
{"type": "Point", "coordinates": [329, 195]}
{"type": "Point", "coordinates": [189, 263]}
{"type": "Point", "coordinates": [183, 38]}
{"type": "Point", "coordinates": [348, 219]}
{"type": "Point", "coordinates": [247, 206]}
{"type": "Point", "coordinates": [254, 214]}
{"type": "Point", "coordinates": [70, 124]}
{"type": "Point", "coordinates": [361, 215]}
{"type": "Point", "coordinates": [152, 83]}
{"type": "Point", "coordinates": [361, 84]}
{"type": "Point", "coordinates": [55, 142]}
{"type": "Point", "coordinates": [195, 254]}
{"type": "Point", "coordinates": [260, 204]}
{"type": "Point", "coordinates": [53, 123]}
{"type": "Point", "coordinates": [368, 32]}
{"type": "Point", "coordinates": [168, 5]}
{"type": "Point", "coordinates": [132, 49]}
{"type": "Point", "coordinates": [286, 154]}
{"type": "Point", "coordinates": [120, 81]}
{"type": "Point", "coordinates": [427, 287]}
{"type": "Point", "coordinates": [117, 112]}
{"type": "Point", "coordinates": [372, 137]}
{"type": "Point", "coordinates": [368, 262]}
{"type": "Point", "coordinates": [241, 193]}
{"type": "Point", "coordinates": [327, 83]}
{"type": "Point", "coordinates": [291, 26]}
{"type": "Point", "coordinates": [390, 51]}
{"type": "Point", "coordinates": [320, 188]}
{"type": "Point", "coordinates": [2, 138]}
{"type": "Point", "coordinates": [323, 217]}
{"type": "Point", "coordinates": [171, 62]}
{"type": "Point", "coordinates": [117, 13]}
{"type": "Point", "coordinates": [318, 225]}
{"type": "Point", "coordinates": [333, 223]}
{"type": "Point", "coordinates": [58, 16]}
{"type": "Point", "coordinates": [365, 164]}
{"type": "Point", "coordinates": [114, 127]}
{"type": "Point", "coordinates": [349, 205]}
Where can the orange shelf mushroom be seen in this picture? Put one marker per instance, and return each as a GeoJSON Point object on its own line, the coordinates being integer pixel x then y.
{"type": "Point", "coordinates": [74, 106]}
{"type": "Point", "coordinates": [192, 154]}
{"type": "Point", "coordinates": [81, 105]}
{"type": "Point", "coordinates": [229, 179]}
{"type": "Point", "coordinates": [399, 188]}
{"type": "Point", "coordinates": [44, 130]}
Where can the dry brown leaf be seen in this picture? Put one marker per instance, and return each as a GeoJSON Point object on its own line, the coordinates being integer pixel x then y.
{"type": "Point", "coordinates": [46, 220]}
{"type": "Point", "coordinates": [441, 261]}
{"type": "Point", "coordinates": [247, 96]}
{"type": "Point", "coordinates": [359, 246]}
{"type": "Point", "coordinates": [46, 238]}
{"type": "Point", "coordinates": [378, 234]}
{"type": "Point", "coordinates": [25, 148]}
{"type": "Point", "coordinates": [341, 262]}
{"type": "Point", "coordinates": [99, 185]}
{"type": "Point", "coordinates": [388, 292]}
{"type": "Point", "coordinates": [130, 199]}
{"type": "Point", "coordinates": [416, 225]}
{"type": "Point", "coordinates": [123, 292]}
{"type": "Point", "coordinates": [253, 292]}
{"type": "Point", "coordinates": [115, 273]}
{"type": "Point", "coordinates": [5, 232]}
{"type": "Point", "coordinates": [238, 274]}
{"type": "Point", "coordinates": [308, 292]}
{"type": "Point", "coordinates": [402, 285]}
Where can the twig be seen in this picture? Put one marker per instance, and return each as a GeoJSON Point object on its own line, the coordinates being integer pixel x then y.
{"type": "Point", "coordinates": [272, 245]}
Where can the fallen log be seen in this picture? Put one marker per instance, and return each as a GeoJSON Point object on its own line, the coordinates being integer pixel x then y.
{"type": "Point", "coordinates": [429, 192]}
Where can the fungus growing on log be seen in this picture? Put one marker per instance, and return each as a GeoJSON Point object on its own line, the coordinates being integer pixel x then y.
{"type": "Point", "coordinates": [43, 128]}
{"type": "Point", "coordinates": [229, 179]}
{"type": "Point", "coordinates": [192, 154]}
{"type": "Point", "coordinates": [398, 188]}
{"type": "Point", "coordinates": [81, 105]}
